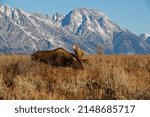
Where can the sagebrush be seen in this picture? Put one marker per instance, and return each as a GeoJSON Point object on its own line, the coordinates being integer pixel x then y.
{"type": "Point", "coordinates": [104, 77]}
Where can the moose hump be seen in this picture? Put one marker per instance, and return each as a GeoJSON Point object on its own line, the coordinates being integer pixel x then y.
{"type": "Point", "coordinates": [61, 57]}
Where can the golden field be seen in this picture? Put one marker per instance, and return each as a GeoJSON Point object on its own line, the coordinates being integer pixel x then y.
{"type": "Point", "coordinates": [105, 77]}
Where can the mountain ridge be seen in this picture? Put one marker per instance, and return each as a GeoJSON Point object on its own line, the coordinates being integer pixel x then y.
{"type": "Point", "coordinates": [22, 32]}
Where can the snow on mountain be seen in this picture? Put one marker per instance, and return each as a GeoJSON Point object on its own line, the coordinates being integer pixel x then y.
{"type": "Point", "coordinates": [145, 37]}
{"type": "Point", "coordinates": [84, 22]}
{"type": "Point", "coordinates": [58, 17]}
{"type": "Point", "coordinates": [22, 32]}
{"type": "Point", "coordinates": [127, 43]}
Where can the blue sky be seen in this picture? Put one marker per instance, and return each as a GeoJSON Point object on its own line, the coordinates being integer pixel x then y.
{"type": "Point", "coordinates": [131, 14]}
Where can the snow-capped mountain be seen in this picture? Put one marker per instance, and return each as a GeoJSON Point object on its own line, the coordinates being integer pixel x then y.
{"type": "Point", "coordinates": [145, 37]}
{"type": "Point", "coordinates": [22, 32]}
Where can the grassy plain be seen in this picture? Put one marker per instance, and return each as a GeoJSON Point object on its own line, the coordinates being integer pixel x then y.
{"type": "Point", "coordinates": [105, 77]}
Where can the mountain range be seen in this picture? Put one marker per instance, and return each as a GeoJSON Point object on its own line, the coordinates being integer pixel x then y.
{"type": "Point", "coordinates": [23, 32]}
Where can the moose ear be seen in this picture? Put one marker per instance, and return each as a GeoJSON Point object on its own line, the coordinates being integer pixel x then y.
{"type": "Point", "coordinates": [78, 52]}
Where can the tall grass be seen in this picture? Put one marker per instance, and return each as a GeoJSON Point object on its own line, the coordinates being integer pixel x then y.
{"type": "Point", "coordinates": [105, 77]}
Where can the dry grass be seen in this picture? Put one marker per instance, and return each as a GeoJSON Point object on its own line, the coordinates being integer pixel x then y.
{"type": "Point", "coordinates": [105, 77]}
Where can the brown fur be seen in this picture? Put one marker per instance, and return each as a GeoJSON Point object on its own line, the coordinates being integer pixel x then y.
{"type": "Point", "coordinates": [59, 57]}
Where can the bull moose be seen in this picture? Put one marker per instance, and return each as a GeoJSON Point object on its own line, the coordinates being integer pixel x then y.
{"type": "Point", "coordinates": [61, 57]}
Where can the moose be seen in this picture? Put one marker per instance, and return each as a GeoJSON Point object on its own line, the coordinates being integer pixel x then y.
{"type": "Point", "coordinates": [61, 57]}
